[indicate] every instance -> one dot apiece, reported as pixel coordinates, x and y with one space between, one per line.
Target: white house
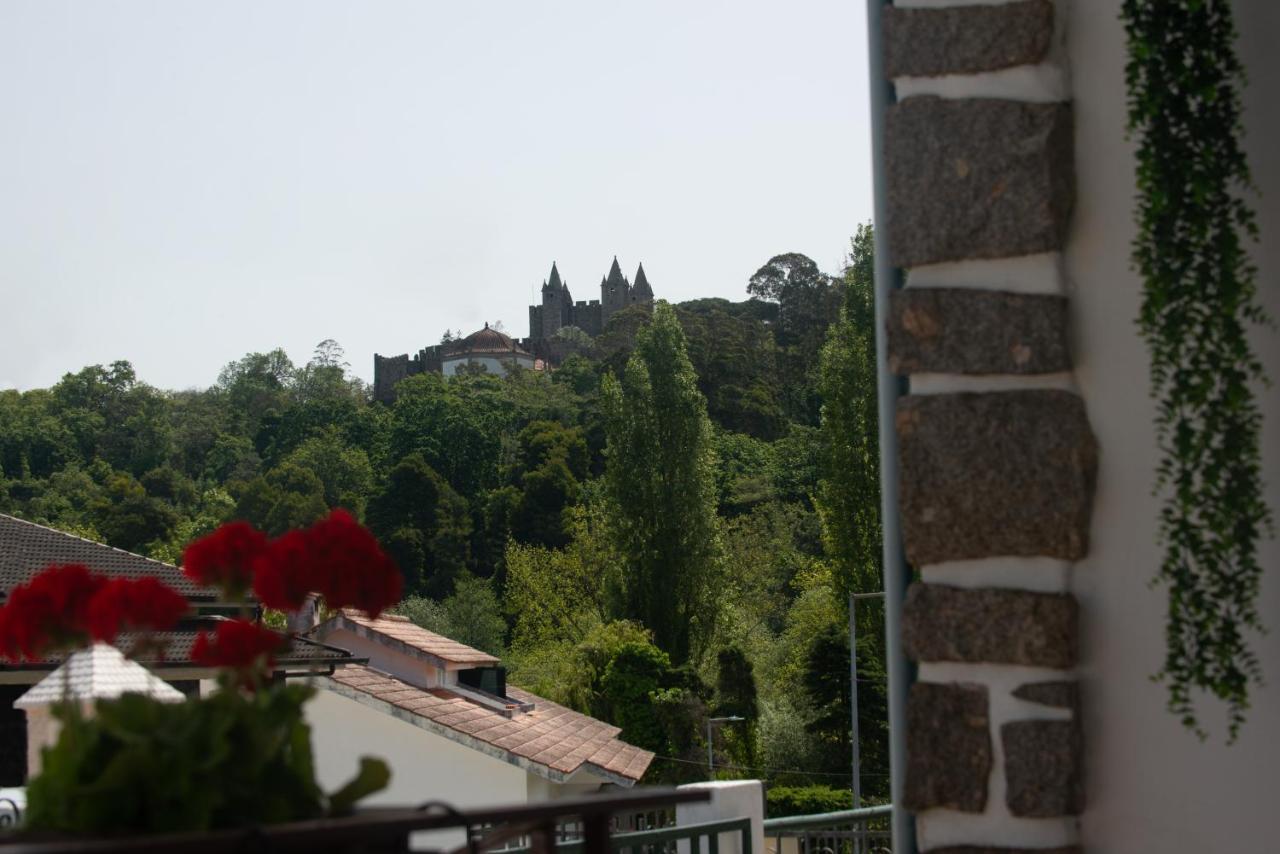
486 348
441 715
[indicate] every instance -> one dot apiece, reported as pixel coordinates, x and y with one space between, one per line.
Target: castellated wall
588 316
389 370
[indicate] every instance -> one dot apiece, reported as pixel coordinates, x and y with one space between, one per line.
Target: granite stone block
965 39
995 474
968 331
977 178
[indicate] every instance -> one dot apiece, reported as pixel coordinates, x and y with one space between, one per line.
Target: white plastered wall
1151 785
401 665
424 766
497 367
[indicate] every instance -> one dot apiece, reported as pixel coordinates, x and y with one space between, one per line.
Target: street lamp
711 757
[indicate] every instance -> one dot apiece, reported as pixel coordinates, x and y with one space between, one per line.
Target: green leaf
373 776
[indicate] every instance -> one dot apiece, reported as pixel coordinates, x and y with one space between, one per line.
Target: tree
805 295
540 516
343 471
807 301
550 461
127 517
634 674
736 359
425 525
849 492
288 497
826 688
556 596
325 377
736 696
475 615
661 483
542 441
457 425
255 385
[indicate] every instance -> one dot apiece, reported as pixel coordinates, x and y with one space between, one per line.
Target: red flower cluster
65 606
144 604
225 558
282 575
237 644
48 612
336 557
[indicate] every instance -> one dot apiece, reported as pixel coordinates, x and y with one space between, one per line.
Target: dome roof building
485 350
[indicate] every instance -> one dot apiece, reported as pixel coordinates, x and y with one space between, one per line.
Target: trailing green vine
1199 298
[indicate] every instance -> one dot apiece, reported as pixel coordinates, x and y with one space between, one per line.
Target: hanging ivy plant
1199 299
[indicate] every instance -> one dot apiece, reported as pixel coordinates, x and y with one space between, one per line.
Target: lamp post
711 756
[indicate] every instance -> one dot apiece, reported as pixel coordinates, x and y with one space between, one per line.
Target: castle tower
640 291
557 304
615 291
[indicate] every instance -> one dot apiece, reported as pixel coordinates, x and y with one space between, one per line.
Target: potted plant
240 756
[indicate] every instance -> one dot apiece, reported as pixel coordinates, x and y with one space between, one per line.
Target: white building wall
424 766
402 666
1151 785
497 367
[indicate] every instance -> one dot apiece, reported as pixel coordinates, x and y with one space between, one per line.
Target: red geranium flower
145 604
282 574
225 558
348 566
48 613
237 644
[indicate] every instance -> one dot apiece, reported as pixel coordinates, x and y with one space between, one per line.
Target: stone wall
997 459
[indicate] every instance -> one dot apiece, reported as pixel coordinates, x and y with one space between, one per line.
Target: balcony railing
384 830
860 831
666 840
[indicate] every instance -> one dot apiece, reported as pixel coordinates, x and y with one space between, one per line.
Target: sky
182 183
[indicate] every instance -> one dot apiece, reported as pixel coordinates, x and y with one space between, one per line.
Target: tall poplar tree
849 491
660 481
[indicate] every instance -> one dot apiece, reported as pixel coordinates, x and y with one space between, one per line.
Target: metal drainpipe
896 572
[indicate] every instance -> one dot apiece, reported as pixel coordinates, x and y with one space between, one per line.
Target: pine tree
660 479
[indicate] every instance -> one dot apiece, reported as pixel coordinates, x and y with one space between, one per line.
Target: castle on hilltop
559 310
491 351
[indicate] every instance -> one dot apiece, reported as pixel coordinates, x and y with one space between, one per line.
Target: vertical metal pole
853 699
711 757
896 572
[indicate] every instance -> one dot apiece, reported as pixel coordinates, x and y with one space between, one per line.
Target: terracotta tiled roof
410 638
483 341
550 739
27 548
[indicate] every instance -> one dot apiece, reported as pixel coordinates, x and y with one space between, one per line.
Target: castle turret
640 291
554 282
615 293
557 305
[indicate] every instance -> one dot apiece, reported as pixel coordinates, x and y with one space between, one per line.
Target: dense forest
663 529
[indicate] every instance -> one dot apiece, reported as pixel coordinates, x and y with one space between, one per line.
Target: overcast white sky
182 183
